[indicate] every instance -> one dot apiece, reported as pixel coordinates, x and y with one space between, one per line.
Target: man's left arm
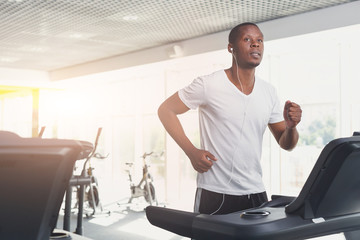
285 132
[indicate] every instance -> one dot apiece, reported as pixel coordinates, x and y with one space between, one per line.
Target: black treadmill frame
327 204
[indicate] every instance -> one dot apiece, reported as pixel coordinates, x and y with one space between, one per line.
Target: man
234 109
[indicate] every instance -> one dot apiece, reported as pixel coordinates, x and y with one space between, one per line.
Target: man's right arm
168 112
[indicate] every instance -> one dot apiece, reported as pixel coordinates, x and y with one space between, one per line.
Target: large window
317 71
16 112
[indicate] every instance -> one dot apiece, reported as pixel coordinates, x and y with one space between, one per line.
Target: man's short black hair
235 32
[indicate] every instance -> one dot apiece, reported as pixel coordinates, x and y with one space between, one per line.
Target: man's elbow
289 140
165 113
289 145
288 148
161 111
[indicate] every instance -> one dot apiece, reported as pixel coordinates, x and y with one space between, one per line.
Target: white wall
23 77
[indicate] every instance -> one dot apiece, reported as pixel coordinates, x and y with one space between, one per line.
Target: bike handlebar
99 156
151 153
93 154
41 132
147 154
97 140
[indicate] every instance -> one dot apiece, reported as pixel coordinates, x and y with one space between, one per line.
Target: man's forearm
289 138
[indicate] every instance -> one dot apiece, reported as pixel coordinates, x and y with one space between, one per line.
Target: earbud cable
237 72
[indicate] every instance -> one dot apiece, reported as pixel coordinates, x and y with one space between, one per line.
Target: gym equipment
328 203
87 191
145 188
34 174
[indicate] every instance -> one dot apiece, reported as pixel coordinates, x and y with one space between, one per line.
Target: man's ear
230 48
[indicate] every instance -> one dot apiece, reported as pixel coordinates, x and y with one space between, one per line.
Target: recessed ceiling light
8 59
130 18
76 35
34 49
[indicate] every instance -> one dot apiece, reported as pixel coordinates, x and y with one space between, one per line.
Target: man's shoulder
214 75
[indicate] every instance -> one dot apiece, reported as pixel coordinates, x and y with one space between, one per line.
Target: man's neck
243 79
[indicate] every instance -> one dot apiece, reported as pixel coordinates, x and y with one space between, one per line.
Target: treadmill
328 203
34 174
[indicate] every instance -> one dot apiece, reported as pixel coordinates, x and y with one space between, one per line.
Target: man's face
249 47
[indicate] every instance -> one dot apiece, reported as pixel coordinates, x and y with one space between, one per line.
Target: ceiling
53 34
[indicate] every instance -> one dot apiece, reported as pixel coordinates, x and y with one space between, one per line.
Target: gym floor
125 222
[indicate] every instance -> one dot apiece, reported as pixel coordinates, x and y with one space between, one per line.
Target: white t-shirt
232 125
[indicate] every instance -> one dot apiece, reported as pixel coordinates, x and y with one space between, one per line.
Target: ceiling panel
53 34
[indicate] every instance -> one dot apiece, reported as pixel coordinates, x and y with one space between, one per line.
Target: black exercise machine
328 203
81 181
34 174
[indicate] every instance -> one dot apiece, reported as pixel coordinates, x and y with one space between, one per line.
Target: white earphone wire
242 125
222 203
237 70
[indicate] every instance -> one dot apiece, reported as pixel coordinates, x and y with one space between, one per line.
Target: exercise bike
145 187
91 193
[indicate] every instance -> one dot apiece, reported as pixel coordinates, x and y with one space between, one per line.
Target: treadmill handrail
301 205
